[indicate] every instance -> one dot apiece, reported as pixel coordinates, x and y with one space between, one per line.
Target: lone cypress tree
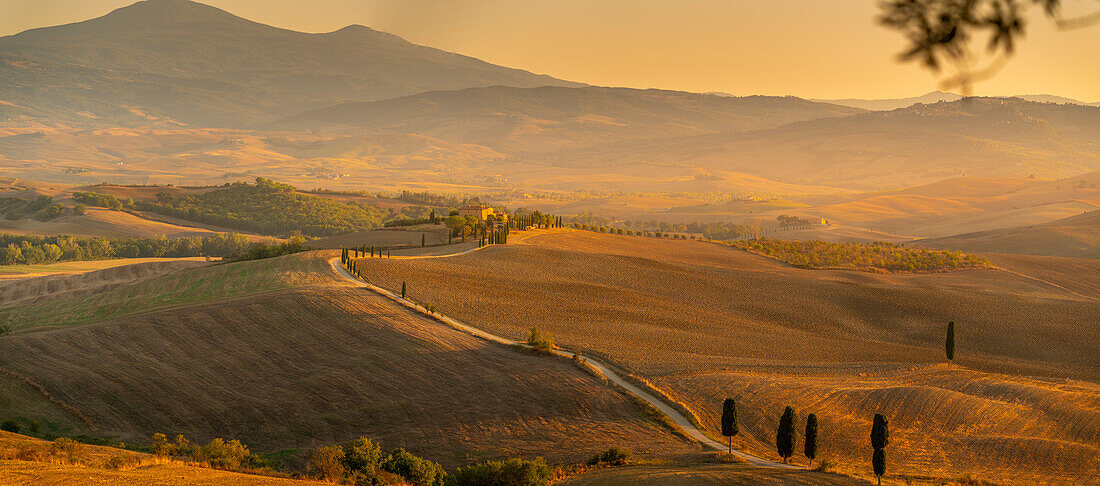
950 344
880 437
403 289
810 449
729 420
423 239
785 438
878 462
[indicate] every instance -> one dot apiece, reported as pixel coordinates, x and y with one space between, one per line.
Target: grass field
175 288
841 344
75 267
320 364
705 471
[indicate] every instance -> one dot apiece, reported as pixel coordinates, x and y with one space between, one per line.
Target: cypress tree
878 462
786 436
880 437
950 343
729 420
880 432
403 289
423 239
810 449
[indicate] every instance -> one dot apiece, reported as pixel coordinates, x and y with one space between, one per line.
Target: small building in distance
478 211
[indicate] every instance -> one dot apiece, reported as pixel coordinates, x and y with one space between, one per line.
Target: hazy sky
808 48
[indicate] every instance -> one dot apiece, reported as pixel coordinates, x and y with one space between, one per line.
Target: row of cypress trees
363 250
497 236
786 434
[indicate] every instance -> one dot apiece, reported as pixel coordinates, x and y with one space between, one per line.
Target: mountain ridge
182 61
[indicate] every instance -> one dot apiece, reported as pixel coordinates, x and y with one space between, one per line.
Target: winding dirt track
679 419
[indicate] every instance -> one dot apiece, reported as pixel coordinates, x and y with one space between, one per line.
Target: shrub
362 455
123 461
9 425
615 456
80 209
417 471
66 450
227 455
327 463
540 341
511 472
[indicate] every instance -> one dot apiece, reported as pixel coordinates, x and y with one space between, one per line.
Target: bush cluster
268 207
218 453
613 456
886 256
540 340
511 472
362 462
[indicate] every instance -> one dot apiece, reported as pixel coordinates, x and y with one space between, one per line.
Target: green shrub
540 340
417 471
362 455
9 425
510 472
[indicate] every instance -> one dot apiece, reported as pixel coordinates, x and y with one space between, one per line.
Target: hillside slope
548 118
1076 236
177 60
984 137
706 322
319 364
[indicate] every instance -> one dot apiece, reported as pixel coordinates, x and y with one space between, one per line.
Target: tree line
34 250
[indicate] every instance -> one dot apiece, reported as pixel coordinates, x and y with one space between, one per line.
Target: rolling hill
985 137
705 322
177 61
545 119
303 362
937 97
1075 236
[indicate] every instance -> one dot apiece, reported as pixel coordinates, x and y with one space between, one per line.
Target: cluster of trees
540 340
787 221
522 219
218 453
41 208
786 435
31 250
347 254
496 236
268 207
103 200
888 256
361 461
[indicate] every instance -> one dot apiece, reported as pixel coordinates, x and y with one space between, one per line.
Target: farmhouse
478 211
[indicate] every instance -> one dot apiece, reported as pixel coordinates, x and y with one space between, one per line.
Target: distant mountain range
551 118
177 60
936 97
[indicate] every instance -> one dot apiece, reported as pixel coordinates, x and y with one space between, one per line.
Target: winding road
678 418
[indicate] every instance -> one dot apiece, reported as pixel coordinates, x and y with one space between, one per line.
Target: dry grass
700 319
24 460
11 272
320 365
706 470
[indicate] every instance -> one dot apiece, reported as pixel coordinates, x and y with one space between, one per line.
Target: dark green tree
878 462
404 288
786 436
880 432
950 343
880 437
729 420
423 239
810 448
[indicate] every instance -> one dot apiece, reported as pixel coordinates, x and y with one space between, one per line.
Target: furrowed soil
317 364
705 322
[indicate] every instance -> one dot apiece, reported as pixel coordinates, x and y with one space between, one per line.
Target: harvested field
115 273
296 369
707 474
703 321
392 238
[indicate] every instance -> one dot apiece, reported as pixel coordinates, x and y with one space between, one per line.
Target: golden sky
807 48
